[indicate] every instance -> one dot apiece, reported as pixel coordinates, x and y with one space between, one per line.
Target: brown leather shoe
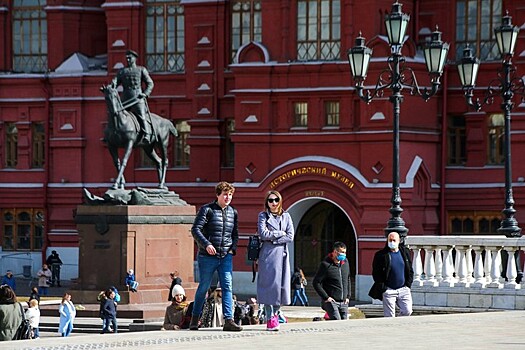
194 323
230 326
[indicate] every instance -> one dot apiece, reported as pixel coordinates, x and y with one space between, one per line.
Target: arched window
29 36
475 23
164 36
22 229
246 22
318 30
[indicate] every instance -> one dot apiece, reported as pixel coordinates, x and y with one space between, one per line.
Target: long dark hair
7 295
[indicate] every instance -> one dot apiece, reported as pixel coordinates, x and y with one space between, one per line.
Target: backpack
24 331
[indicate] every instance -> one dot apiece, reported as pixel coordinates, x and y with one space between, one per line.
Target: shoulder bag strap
22 310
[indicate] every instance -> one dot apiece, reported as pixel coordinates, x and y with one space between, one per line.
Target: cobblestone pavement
491 330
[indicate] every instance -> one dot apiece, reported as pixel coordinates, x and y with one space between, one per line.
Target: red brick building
262 96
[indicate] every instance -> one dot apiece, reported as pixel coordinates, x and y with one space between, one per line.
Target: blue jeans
110 320
207 266
297 295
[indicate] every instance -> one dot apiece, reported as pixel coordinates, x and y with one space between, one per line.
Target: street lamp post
506 85
396 78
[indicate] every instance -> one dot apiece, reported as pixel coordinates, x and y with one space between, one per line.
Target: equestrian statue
131 124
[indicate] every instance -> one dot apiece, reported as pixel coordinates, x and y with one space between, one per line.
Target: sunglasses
273 200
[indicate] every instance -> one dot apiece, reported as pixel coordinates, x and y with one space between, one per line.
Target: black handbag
254 247
24 331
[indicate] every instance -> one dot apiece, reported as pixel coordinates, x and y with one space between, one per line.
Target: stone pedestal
153 240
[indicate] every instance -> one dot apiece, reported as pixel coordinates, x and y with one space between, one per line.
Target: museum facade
262 96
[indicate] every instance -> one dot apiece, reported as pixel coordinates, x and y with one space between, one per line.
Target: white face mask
392 245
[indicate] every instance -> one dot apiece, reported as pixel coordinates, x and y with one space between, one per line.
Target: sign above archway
310 170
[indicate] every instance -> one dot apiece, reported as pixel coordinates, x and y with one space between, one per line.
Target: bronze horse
123 131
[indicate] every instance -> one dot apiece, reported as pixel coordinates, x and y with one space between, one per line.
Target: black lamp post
396 78
506 85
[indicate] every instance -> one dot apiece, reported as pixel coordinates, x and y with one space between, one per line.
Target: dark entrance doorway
321 225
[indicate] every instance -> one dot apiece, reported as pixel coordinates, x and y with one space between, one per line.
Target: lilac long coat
273 279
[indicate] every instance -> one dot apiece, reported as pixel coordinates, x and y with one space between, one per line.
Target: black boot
194 323
230 326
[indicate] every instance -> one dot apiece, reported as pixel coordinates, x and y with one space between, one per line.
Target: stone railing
467 271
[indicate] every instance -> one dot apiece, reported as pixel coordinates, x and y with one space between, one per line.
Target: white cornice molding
73 8
122 4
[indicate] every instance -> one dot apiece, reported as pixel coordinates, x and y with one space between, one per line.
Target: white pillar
430 267
512 273
470 265
495 269
417 266
439 264
448 268
479 278
487 265
462 267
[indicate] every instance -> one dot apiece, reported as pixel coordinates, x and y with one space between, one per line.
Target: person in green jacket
10 313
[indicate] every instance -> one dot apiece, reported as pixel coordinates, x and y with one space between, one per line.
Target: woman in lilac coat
275 227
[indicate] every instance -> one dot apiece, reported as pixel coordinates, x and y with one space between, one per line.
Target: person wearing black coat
34 295
332 283
393 276
216 233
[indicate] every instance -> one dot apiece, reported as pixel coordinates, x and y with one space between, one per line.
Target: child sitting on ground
176 316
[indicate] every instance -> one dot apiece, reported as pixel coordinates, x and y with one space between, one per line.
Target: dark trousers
336 310
55 274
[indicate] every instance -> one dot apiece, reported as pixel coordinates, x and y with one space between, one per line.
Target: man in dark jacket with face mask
393 275
332 283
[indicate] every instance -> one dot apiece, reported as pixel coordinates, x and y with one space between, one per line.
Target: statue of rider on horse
131 79
130 122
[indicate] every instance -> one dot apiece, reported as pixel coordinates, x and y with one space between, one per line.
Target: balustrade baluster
487 268
461 272
430 267
448 268
495 269
439 264
512 273
470 265
417 266
479 278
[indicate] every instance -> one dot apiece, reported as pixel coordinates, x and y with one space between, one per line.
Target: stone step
81 325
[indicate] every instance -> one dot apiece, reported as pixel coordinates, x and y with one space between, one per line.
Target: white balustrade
465 261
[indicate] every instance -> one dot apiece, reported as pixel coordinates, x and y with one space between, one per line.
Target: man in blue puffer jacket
216 233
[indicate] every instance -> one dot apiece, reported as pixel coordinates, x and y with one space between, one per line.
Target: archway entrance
321 224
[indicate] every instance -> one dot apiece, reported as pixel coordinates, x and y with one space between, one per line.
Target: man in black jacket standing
54 262
393 275
332 283
216 233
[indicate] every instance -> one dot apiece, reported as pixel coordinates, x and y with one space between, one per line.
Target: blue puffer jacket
217 227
